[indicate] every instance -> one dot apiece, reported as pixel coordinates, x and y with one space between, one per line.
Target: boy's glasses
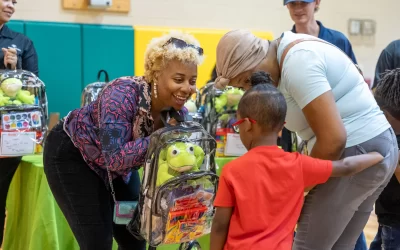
236 124
180 44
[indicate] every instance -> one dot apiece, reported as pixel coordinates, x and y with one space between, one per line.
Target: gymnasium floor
370 229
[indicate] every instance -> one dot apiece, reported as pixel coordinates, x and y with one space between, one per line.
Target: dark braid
387 93
263 103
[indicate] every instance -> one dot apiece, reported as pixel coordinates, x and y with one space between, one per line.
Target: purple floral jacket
114 130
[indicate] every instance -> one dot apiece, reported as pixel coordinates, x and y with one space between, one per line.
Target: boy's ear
248 126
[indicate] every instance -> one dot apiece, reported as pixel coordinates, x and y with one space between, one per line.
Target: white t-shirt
312 68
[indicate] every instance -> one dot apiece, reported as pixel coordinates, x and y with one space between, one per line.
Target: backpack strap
290 45
179 116
106 79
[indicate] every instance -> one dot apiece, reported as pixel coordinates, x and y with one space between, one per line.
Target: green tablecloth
34 220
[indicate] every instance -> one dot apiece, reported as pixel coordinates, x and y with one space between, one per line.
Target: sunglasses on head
236 124
180 44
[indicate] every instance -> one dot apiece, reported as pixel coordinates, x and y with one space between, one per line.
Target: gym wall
91 46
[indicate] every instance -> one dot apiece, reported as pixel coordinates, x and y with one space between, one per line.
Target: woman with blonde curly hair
108 139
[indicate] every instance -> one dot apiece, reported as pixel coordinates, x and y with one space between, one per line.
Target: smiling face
7 10
176 83
302 12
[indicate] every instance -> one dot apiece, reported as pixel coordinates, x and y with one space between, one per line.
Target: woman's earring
155 89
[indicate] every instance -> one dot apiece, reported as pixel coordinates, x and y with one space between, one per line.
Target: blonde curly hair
157 55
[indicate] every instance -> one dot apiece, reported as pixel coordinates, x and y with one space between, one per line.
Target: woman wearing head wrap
333 112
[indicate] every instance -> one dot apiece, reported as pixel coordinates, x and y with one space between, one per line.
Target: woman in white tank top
332 109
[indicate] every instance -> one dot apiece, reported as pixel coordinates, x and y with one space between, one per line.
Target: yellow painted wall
208 39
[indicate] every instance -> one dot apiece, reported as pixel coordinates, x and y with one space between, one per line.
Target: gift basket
23 110
92 90
178 187
218 109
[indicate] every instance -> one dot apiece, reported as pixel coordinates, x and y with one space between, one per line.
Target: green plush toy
11 86
25 97
12 94
229 100
177 158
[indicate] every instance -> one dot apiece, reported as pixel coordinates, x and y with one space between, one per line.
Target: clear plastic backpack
92 90
178 187
218 107
23 111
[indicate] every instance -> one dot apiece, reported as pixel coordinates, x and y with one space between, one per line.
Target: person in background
18 53
262 213
389 59
303 16
109 138
387 207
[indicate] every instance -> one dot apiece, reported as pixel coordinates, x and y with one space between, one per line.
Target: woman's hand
10 58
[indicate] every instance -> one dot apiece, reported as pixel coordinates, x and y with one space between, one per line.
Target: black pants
8 166
286 140
83 196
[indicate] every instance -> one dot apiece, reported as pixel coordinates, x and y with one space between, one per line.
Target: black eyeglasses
180 44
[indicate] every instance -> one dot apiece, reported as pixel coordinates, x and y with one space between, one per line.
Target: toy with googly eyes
177 158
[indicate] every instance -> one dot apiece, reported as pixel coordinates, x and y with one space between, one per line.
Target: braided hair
387 93
264 103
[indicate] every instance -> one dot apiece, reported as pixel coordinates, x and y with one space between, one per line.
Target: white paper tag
234 146
17 143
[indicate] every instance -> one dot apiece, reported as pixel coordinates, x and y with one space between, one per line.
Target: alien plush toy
229 100
11 93
177 158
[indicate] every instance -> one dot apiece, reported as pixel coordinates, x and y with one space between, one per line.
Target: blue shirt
336 38
26 53
388 60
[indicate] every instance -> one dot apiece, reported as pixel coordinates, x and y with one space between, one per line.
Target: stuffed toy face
228 100
182 156
11 86
233 97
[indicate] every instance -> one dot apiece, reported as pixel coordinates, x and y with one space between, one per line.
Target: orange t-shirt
265 188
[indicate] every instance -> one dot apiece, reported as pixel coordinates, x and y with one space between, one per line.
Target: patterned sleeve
118 108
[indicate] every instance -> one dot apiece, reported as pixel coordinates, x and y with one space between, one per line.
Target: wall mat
208 39
107 47
60 66
18 26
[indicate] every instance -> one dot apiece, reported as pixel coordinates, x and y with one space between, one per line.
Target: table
34 220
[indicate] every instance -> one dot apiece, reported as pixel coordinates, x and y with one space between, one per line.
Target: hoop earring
155 90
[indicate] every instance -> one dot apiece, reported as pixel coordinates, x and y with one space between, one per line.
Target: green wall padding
107 47
60 65
17 26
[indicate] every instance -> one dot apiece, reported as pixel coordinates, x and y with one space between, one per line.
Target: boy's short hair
387 93
263 103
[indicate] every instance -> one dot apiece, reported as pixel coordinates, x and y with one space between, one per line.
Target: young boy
260 194
387 207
